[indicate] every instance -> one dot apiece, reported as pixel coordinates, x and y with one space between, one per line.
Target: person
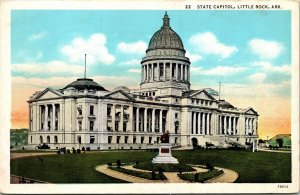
164 138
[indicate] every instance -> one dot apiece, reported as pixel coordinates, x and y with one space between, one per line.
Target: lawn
258 167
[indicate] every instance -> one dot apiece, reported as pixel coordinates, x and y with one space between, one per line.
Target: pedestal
164 155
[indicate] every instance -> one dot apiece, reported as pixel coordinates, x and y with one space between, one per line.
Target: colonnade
165 71
228 125
49 117
249 126
201 123
139 119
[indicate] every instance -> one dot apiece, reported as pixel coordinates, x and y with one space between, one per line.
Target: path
280 151
229 176
23 155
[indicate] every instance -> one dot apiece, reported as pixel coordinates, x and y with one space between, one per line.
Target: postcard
140 97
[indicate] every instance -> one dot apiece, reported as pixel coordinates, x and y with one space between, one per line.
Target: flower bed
141 174
165 167
201 177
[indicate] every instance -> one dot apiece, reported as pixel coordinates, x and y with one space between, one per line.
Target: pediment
48 94
202 95
119 95
251 111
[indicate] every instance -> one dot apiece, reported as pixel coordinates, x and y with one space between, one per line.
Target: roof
225 104
165 38
85 83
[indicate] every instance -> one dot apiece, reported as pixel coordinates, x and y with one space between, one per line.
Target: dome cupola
85 83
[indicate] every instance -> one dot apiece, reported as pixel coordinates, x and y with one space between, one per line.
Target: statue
164 138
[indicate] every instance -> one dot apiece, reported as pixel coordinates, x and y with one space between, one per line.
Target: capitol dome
165 38
85 83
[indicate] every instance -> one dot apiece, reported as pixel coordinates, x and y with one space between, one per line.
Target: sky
249 52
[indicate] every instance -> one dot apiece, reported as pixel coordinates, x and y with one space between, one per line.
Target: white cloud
257 77
131 62
135 70
219 70
138 47
53 67
38 36
207 43
269 67
94 47
193 57
264 48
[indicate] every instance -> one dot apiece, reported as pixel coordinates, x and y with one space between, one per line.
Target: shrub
58 151
160 170
68 151
141 174
209 166
78 151
180 170
161 176
153 175
118 163
196 177
109 164
74 151
88 148
83 148
137 162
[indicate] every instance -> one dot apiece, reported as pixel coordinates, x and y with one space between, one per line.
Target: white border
5 96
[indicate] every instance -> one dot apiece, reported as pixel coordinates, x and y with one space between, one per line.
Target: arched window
79 139
48 139
41 139
55 139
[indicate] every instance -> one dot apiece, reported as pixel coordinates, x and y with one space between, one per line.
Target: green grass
258 167
166 167
146 175
204 176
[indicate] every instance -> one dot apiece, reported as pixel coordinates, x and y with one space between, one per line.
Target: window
80 125
79 139
142 140
150 140
55 139
134 140
153 93
92 139
161 71
176 115
126 139
157 140
108 110
41 139
79 109
31 139
109 139
176 100
91 110
176 140
118 139
48 139
91 125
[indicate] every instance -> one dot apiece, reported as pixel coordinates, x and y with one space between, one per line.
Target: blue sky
246 46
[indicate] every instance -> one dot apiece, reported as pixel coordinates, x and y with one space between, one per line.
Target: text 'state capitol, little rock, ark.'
85 114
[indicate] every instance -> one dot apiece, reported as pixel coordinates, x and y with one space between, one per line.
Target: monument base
164 155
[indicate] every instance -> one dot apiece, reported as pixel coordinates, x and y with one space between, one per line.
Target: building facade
85 114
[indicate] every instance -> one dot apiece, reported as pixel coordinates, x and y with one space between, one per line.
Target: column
160 121
152 66
246 124
251 125
234 126
153 120
230 129
208 124
145 120
137 119
46 118
122 118
148 70
113 117
130 118
199 126
176 72
53 114
188 73
194 123
225 125
157 71
171 67
164 72
203 123
220 124
181 72
185 73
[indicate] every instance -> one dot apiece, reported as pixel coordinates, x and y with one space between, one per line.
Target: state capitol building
85 114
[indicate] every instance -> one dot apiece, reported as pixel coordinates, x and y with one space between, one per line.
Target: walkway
23 155
228 176
280 151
